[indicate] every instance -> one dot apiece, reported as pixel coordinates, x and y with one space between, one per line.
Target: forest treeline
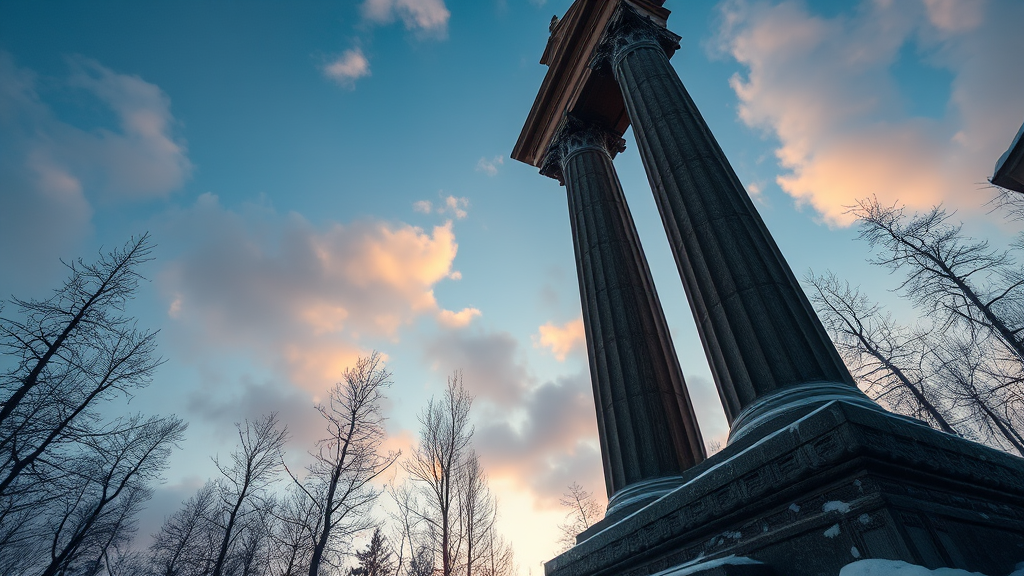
76 470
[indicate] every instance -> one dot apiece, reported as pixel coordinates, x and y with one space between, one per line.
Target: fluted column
646 423
767 349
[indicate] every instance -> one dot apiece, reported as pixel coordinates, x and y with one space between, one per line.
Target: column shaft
646 422
759 331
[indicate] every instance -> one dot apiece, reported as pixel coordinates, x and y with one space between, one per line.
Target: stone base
841 484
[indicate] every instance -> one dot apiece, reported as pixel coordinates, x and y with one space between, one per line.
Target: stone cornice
570 85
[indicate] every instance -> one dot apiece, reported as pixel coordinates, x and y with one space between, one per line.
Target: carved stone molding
574 136
627 30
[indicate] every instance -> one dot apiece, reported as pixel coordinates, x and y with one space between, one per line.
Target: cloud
452 206
426 17
491 365
489 167
827 90
298 297
348 68
550 443
459 319
51 171
562 340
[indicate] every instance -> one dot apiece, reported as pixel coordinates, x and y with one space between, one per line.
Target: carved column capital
574 136
629 29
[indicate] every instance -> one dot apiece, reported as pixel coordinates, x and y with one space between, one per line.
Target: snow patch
1018 570
794 508
697 565
832 532
836 506
733 535
864 519
854 552
898 568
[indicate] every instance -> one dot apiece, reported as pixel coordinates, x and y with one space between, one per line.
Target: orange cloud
459 319
562 340
302 298
825 87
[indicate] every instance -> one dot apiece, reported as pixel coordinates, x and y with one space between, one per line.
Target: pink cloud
348 67
824 87
301 298
562 340
429 17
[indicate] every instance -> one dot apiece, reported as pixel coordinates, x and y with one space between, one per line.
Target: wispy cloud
425 17
561 340
51 171
452 206
489 167
349 67
826 88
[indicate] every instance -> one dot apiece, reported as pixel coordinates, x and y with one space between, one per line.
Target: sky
323 179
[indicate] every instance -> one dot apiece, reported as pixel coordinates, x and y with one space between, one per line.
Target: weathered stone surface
842 483
759 331
646 423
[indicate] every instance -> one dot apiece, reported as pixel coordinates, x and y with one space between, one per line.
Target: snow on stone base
898 568
697 565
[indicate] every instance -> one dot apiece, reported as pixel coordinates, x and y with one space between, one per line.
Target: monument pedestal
841 484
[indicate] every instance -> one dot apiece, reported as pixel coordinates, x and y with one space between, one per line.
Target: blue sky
327 178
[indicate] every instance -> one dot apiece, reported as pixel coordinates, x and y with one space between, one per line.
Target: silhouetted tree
292 540
582 510
253 465
961 368
184 546
338 482
437 465
111 484
886 358
377 559
951 277
69 352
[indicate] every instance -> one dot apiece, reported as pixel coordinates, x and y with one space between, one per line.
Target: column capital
629 29
574 136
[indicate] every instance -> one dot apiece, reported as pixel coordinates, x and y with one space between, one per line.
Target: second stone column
647 427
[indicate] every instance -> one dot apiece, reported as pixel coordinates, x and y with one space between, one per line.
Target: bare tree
184 544
582 511
112 477
885 358
422 562
69 351
479 511
437 465
953 278
338 482
961 367
294 533
498 557
253 465
405 522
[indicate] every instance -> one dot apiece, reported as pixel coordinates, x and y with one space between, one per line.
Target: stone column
768 352
647 427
